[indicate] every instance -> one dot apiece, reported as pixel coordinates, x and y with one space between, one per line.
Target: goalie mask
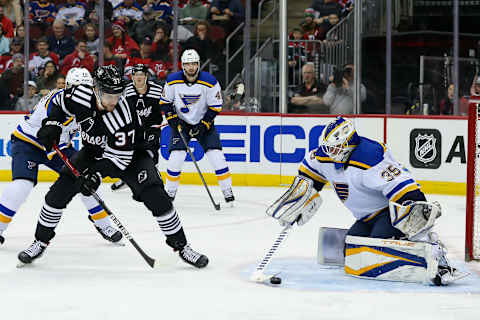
339 139
109 86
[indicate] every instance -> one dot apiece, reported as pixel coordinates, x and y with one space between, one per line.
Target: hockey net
472 238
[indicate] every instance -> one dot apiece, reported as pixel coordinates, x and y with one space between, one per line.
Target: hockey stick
216 205
258 275
151 262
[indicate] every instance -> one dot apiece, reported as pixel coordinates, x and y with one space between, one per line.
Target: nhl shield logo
425 148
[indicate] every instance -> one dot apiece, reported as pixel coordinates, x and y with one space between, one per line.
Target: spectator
26 103
46 81
6 59
308 97
161 44
201 43
4 42
475 88
227 13
60 43
324 25
91 37
109 58
121 42
296 54
13 10
42 13
446 104
41 56
339 95
162 11
72 13
144 27
60 84
6 23
129 11
11 82
80 58
158 68
94 6
324 8
193 12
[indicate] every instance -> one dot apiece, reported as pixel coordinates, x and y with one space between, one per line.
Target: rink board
266 149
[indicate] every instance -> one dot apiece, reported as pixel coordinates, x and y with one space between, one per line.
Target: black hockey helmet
108 79
140 67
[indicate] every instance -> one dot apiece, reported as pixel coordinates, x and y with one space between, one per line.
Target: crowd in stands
64 34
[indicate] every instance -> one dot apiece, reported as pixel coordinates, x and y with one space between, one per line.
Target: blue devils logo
189 100
342 191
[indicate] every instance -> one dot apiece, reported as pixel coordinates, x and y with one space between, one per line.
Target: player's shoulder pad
321 156
367 154
206 79
174 78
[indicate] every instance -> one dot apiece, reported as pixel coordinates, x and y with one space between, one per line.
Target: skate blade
230 204
119 244
21 265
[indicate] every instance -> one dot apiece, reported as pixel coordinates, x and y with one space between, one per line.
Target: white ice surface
83 277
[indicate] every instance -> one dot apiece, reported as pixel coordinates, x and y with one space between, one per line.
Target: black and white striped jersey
146 105
108 135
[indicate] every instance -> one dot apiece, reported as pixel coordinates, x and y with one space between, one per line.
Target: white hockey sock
174 169
219 164
169 223
13 196
96 212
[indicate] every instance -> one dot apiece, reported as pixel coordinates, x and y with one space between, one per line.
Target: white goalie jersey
28 128
192 101
366 182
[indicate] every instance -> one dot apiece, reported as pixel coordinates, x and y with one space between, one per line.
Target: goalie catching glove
414 219
298 204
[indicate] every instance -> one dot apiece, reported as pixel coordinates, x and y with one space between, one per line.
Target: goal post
472 225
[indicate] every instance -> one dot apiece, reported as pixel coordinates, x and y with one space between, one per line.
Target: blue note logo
342 191
188 101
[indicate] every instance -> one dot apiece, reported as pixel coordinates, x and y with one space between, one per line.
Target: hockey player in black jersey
108 130
144 95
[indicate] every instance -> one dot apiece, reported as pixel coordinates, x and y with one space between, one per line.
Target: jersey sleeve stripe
62 103
216 108
81 101
312 174
359 165
82 95
401 189
204 83
126 114
112 121
175 82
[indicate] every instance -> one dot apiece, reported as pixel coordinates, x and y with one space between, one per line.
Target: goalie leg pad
393 260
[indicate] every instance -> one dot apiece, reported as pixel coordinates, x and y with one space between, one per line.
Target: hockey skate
109 233
446 273
32 253
192 257
120 184
229 198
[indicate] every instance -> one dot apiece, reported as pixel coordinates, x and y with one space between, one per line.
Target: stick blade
217 206
259 276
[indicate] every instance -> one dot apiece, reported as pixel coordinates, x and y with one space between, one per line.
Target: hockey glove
89 182
199 129
49 133
173 120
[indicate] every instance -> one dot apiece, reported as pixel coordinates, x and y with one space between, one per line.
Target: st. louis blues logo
342 191
189 100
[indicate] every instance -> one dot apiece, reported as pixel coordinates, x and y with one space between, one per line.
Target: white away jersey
192 100
28 128
371 179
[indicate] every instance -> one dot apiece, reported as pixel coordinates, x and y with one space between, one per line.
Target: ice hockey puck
275 280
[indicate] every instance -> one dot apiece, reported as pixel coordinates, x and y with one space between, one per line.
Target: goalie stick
151 262
258 275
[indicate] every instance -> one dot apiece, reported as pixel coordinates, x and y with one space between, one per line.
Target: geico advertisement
433 149
251 144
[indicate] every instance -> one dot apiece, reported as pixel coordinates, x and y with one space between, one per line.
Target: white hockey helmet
78 76
190 56
339 139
